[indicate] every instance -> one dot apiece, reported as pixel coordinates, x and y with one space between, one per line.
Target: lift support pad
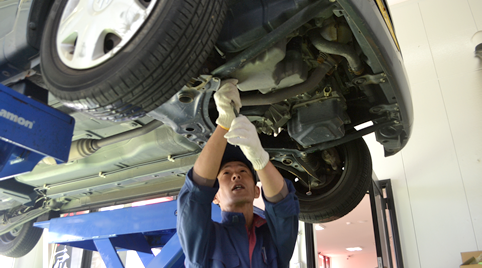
30 131
135 228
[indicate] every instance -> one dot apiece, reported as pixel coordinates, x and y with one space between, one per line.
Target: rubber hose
335 48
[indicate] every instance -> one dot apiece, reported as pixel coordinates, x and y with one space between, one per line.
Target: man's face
236 186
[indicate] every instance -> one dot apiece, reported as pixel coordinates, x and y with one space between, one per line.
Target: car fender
365 19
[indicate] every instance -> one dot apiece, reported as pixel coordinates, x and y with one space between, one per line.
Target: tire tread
23 243
342 205
157 74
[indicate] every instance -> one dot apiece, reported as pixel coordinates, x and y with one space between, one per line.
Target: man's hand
243 133
227 94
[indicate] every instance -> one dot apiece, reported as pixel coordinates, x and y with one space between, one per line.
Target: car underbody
309 73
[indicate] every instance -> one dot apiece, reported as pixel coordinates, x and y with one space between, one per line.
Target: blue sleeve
194 224
282 220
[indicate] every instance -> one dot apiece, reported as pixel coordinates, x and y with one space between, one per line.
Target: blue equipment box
30 131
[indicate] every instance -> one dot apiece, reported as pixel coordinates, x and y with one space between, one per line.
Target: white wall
437 177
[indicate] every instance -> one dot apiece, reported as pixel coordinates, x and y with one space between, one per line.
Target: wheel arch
339 196
38 14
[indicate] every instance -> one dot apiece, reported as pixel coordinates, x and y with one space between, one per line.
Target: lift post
135 228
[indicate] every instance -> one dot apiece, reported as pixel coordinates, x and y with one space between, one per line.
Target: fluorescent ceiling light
354 249
319 227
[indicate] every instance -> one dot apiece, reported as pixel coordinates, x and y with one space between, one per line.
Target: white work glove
243 133
223 97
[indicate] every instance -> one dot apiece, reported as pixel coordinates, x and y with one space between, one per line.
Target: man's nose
235 176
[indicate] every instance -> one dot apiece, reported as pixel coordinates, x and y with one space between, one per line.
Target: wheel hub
16 231
90 32
100 5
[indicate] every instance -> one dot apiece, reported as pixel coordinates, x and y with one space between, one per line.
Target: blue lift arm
30 131
134 228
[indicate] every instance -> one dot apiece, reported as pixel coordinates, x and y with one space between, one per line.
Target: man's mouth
237 187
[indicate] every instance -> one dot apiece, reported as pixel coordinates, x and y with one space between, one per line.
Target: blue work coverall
210 244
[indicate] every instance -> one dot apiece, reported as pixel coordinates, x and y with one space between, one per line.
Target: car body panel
7 8
17 56
382 47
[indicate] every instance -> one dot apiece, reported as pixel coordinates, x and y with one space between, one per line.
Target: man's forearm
208 163
274 186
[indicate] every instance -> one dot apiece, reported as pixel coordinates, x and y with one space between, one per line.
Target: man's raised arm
243 133
208 163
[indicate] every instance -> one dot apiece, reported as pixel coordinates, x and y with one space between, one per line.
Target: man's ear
257 191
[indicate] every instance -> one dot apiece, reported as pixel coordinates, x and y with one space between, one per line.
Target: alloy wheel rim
10 236
91 32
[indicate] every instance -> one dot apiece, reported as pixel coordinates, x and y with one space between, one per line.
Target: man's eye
243 170
226 173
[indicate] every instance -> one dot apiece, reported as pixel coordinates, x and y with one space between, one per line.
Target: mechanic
225 174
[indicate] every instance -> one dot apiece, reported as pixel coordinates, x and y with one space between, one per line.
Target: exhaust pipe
86 147
335 48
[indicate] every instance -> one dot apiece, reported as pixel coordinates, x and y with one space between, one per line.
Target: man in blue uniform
226 175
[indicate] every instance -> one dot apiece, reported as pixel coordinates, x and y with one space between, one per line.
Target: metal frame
153 226
134 228
310 246
187 112
381 202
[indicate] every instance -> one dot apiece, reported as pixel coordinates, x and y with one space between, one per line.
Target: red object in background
325 262
74 213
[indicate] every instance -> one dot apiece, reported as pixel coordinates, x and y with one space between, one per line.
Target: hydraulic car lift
30 131
135 228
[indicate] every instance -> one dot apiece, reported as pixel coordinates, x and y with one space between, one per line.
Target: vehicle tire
20 241
340 195
122 74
